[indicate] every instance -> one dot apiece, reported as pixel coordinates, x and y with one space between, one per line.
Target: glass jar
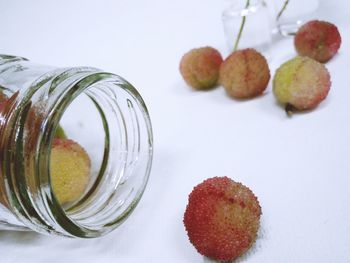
101 111
290 15
247 25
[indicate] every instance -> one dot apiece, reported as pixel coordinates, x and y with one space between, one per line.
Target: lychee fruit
3 99
244 74
69 170
301 83
222 218
318 40
200 67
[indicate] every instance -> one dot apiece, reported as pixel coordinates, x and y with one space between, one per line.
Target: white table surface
298 167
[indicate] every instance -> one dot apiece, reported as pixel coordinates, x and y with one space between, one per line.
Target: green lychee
301 83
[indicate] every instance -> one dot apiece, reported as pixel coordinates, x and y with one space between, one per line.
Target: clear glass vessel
290 15
102 112
247 25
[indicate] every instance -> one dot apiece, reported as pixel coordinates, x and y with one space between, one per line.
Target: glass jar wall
241 20
99 110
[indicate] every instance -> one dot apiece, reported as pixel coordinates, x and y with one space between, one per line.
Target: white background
298 167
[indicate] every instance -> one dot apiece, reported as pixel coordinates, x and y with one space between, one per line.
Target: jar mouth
127 155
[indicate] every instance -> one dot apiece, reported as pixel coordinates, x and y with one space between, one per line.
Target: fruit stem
289 109
241 27
282 10
60 134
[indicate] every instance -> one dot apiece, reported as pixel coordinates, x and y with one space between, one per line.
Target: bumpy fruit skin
3 99
244 74
200 67
222 218
301 82
70 170
318 40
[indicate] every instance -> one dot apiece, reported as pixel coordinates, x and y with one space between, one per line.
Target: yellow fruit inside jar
70 170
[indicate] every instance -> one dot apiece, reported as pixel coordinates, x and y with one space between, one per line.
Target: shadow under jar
101 111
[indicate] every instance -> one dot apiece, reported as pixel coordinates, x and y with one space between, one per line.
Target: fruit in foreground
244 74
200 67
70 170
222 218
301 83
318 40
